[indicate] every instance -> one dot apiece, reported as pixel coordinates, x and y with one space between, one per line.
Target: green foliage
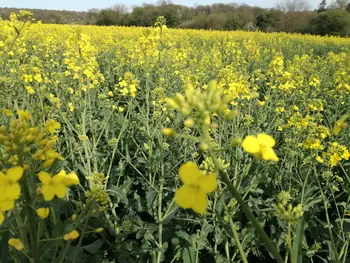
331 22
268 20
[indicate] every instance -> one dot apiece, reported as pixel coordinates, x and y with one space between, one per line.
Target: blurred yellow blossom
260 146
193 194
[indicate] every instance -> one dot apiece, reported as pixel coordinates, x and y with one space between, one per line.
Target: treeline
52 16
290 16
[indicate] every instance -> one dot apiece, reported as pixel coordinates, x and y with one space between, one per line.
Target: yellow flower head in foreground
56 185
42 212
260 146
193 194
9 186
16 243
71 236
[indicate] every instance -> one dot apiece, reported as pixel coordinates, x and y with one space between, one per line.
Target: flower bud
169 132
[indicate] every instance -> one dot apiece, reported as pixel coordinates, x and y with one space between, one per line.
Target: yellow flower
110 93
23 115
9 186
56 185
16 243
260 146
193 194
30 90
340 124
52 125
71 107
7 112
319 159
71 236
42 212
52 186
168 132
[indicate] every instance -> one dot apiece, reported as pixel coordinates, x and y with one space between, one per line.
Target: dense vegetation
123 144
326 20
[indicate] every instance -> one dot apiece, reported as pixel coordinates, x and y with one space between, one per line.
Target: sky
84 5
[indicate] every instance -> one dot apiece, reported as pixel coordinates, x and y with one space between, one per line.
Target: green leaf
298 240
94 247
150 197
188 255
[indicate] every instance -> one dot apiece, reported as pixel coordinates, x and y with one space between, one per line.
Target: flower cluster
289 213
10 189
127 86
21 140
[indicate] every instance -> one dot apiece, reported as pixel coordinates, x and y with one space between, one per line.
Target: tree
338 4
342 3
348 7
268 20
322 6
293 5
331 22
120 8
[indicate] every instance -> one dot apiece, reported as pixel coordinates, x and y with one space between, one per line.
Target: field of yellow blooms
158 145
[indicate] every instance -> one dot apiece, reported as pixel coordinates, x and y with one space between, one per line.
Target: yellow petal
42 212
269 154
2 218
72 235
60 190
15 173
200 203
189 173
208 183
70 179
58 177
44 177
2 190
2 178
13 191
266 140
185 196
6 205
48 192
16 243
251 144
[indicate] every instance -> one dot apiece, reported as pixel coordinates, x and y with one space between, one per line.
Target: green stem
235 235
248 212
20 226
325 203
64 252
238 243
160 221
31 222
290 243
81 236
